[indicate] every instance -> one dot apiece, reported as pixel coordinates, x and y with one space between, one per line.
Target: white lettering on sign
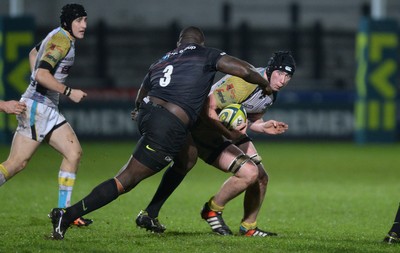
302 122
104 122
315 122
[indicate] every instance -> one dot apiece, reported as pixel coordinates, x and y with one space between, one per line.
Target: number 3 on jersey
164 81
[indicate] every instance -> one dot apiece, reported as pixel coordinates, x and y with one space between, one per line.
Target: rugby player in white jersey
50 63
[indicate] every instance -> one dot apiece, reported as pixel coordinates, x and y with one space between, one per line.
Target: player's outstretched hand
274 127
14 107
77 95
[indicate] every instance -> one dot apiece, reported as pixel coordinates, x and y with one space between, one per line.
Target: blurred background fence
318 103
118 56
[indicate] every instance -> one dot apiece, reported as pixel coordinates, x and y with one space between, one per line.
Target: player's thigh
65 141
22 148
248 148
228 156
233 160
187 157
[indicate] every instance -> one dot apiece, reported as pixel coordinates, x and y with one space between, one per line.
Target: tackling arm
236 67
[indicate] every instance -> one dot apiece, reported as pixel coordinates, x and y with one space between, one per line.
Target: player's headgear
281 60
69 13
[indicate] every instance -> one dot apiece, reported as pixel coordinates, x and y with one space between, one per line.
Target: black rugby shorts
163 136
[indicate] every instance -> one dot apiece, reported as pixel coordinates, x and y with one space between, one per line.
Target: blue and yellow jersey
234 90
57 50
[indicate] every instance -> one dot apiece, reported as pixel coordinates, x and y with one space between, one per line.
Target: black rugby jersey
184 77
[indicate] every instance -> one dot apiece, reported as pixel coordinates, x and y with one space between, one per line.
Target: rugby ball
233 116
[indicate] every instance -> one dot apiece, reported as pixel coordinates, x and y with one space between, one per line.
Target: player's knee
14 166
263 177
184 167
74 156
191 164
249 173
254 175
22 165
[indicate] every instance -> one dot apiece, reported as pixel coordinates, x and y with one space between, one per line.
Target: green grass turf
322 197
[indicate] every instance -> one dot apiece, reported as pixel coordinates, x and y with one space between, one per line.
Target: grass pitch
322 197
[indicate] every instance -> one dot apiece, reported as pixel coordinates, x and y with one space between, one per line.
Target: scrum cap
281 60
69 13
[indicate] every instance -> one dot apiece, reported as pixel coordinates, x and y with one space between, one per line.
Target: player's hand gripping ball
233 116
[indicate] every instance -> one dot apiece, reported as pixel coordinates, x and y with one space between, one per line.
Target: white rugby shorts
38 120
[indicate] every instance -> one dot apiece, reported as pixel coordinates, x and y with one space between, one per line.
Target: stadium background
322 197
124 38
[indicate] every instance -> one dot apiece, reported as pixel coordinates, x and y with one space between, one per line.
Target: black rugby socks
170 181
100 196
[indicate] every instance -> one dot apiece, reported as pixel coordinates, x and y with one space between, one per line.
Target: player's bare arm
210 114
139 97
45 78
32 58
12 107
236 67
268 127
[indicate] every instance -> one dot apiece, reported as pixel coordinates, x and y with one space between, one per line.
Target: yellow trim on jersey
234 90
66 181
56 48
4 171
